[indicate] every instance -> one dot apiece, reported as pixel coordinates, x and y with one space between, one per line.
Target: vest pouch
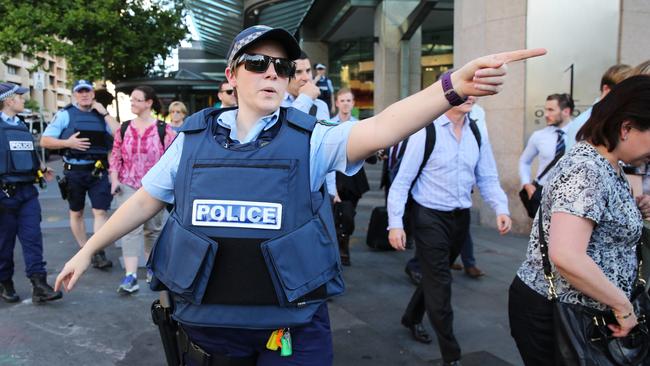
301 263
183 260
21 151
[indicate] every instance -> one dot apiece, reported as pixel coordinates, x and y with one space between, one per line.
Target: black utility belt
73 167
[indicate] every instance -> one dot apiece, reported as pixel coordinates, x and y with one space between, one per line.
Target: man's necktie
560 147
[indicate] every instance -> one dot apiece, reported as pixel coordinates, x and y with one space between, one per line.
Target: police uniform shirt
14 121
330 179
303 103
59 123
327 153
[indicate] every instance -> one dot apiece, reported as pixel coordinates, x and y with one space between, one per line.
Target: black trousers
531 324
439 236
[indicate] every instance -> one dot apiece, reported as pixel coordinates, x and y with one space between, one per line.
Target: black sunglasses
260 63
229 91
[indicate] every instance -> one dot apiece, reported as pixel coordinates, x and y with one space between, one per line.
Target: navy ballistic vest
248 244
325 91
92 126
18 159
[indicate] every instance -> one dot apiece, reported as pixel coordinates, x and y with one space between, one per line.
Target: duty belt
192 352
9 189
73 167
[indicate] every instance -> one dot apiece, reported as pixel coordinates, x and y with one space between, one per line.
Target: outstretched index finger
519 55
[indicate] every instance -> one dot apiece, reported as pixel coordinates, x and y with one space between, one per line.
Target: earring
624 138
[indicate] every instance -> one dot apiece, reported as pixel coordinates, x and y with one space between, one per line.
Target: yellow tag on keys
272 343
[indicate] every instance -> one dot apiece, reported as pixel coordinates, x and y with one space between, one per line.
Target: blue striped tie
560 147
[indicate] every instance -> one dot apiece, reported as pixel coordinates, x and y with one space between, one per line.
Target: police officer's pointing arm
482 76
133 213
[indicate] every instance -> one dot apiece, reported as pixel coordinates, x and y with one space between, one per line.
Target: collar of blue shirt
228 119
11 120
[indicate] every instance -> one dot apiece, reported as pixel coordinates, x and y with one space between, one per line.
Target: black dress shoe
418 332
7 291
100 261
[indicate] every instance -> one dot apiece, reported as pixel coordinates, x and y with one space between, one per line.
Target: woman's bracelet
623 317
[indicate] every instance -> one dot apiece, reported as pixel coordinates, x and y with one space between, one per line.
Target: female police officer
20 211
249 251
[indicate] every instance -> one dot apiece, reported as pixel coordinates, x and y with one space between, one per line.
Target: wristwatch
450 94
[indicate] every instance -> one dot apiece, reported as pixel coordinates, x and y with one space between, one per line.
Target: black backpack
160 125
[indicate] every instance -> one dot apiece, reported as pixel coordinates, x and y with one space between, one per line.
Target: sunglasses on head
260 63
229 91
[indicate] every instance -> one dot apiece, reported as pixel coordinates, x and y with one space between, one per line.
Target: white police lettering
242 214
21 145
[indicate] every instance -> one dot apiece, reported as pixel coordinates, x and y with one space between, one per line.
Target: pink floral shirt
136 154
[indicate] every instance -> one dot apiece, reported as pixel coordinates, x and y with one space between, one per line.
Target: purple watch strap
452 97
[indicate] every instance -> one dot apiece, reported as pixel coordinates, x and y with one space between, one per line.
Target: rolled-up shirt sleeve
159 180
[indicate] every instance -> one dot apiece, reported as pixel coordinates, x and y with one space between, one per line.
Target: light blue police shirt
55 128
10 120
327 153
303 103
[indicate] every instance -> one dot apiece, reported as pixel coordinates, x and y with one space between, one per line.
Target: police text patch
241 214
21 145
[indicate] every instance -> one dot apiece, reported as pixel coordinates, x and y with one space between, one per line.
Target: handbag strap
549 167
546 263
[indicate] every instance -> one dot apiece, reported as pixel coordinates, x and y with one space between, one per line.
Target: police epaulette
327 123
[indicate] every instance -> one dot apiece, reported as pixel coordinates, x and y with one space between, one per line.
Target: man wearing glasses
227 95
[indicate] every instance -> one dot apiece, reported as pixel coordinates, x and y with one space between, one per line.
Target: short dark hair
564 100
150 94
614 75
303 55
629 100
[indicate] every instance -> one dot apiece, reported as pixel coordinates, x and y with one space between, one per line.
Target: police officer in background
20 211
248 252
326 88
84 130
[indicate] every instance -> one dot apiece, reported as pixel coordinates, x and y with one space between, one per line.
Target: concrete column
318 52
483 27
389 49
634 32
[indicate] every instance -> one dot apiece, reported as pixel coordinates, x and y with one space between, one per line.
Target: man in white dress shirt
546 143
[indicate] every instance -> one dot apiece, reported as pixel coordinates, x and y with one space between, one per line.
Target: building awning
219 21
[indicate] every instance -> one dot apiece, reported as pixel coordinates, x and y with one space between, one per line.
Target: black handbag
582 335
531 204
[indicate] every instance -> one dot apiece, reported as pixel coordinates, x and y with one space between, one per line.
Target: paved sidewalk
93 325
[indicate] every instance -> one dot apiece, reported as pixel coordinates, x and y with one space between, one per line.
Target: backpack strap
429 144
160 126
123 127
477 133
162 130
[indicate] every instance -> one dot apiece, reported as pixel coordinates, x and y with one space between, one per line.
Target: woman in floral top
591 222
133 155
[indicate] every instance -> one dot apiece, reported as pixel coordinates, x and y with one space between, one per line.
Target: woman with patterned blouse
135 151
592 224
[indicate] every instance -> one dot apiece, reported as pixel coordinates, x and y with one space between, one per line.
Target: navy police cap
82 84
9 89
262 32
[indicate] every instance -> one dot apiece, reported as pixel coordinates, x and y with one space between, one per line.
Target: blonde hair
344 91
178 105
641 69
